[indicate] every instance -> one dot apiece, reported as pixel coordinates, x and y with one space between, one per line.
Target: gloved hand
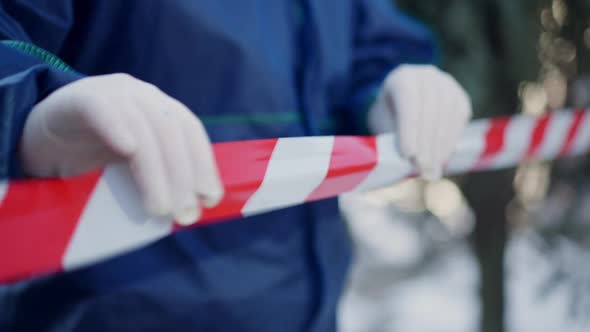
116 118
428 110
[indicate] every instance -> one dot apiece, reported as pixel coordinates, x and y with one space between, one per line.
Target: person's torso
249 69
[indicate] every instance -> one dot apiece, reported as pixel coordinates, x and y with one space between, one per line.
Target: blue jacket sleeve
383 39
28 73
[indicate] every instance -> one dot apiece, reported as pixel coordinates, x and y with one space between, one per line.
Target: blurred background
498 251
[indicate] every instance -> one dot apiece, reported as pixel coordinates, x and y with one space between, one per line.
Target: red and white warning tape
52 225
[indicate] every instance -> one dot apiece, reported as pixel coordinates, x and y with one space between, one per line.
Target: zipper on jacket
41 54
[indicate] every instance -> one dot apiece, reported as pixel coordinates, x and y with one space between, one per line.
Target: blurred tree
490 47
511 56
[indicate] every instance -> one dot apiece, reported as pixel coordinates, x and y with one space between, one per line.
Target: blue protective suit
249 69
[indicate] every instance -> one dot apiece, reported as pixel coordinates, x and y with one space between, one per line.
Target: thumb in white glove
427 109
117 118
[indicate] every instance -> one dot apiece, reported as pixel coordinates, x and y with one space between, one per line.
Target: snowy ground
530 308
399 283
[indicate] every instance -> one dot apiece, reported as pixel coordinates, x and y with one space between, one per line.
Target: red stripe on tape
494 141
37 220
352 159
242 166
578 117
538 135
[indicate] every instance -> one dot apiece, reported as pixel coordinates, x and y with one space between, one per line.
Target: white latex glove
428 110
117 118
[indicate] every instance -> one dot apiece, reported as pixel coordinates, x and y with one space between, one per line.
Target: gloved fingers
166 125
429 124
147 166
110 126
444 140
207 181
423 158
404 100
452 135
449 141
380 118
190 215
430 109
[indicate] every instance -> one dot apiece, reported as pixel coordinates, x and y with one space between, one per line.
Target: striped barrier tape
55 225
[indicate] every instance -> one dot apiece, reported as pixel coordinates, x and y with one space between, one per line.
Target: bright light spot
547 20
443 198
534 98
407 196
531 183
555 85
559 11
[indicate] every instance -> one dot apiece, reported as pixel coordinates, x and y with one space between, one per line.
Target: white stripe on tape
297 167
113 222
390 166
517 139
469 149
3 190
555 135
581 142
